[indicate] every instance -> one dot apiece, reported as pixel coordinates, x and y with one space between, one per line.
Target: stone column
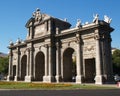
50 77
29 74
49 26
10 70
18 65
99 77
31 64
28 66
110 78
46 27
62 52
79 63
46 64
58 63
105 57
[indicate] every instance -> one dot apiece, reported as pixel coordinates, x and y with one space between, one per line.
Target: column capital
49 45
10 53
97 37
30 49
58 45
78 38
18 52
46 45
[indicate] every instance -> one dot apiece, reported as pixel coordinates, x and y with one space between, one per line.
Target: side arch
39 66
23 66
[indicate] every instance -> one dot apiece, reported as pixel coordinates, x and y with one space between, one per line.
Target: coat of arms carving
37 15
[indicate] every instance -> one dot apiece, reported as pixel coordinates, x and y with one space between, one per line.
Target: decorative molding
89 48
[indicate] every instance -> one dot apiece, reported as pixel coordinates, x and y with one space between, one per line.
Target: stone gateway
55 52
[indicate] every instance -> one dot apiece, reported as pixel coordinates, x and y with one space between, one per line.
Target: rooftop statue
107 19
96 17
11 42
78 24
37 15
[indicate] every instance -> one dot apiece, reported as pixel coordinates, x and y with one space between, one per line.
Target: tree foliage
116 61
4 62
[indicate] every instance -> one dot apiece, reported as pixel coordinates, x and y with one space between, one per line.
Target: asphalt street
105 92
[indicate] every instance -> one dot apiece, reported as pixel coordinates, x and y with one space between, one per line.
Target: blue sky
15 13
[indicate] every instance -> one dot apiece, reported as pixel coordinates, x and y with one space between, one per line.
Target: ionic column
50 77
10 70
46 61
46 64
110 78
31 64
28 61
58 62
17 66
79 63
49 26
104 56
46 26
28 66
99 77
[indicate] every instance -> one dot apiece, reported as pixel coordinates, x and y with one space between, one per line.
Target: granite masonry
55 52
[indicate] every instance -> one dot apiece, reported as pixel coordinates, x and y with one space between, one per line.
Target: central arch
39 66
69 66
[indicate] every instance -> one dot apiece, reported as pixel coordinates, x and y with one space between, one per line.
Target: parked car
117 78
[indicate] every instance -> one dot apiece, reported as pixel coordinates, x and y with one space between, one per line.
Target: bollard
118 84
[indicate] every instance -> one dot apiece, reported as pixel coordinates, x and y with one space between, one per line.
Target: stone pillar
79 63
46 27
10 70
46 64
110 78
29 74
58 63
31 64
50 77
62 52
28 66
18 65
49 26
99 77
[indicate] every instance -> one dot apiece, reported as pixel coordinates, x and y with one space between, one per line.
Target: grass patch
49 86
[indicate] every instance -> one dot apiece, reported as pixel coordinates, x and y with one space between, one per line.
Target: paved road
105 92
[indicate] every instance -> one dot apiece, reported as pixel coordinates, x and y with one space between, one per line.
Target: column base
45 79
28 78
79 79
58 78
9 78
48 79
99 79
16 78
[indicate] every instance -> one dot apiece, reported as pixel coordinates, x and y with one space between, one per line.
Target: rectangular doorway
90 70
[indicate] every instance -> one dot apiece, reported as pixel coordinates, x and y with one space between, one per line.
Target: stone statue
107 19
96 18
11 42
78 24
37 15
18 41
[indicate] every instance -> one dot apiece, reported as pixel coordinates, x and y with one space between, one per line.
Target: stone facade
51 47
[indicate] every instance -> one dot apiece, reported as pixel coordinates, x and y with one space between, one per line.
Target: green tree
4 62
116 61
